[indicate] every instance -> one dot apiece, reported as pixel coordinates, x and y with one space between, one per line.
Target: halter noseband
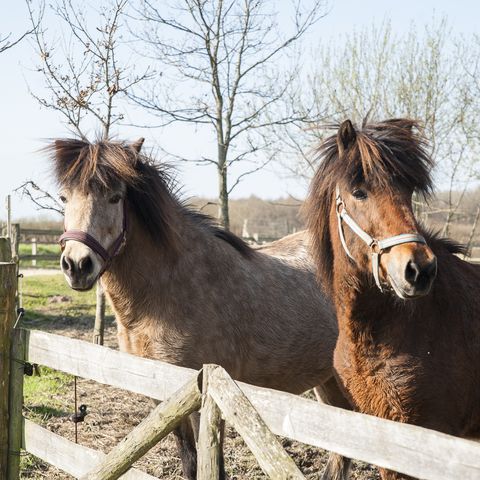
376 246
107 255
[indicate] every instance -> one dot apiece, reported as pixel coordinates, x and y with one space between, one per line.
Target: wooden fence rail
409 449
70 457
38 232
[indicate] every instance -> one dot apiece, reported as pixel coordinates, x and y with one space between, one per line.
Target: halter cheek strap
106 255
376 246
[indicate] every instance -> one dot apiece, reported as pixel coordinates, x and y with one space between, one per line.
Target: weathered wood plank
15 422
152 378
159 423
8 286
209 435
405 448
70 457
238 411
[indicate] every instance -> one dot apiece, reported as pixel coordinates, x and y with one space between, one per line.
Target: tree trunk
223 213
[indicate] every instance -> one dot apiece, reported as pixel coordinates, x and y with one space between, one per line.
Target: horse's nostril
85 265
67 264
420 275
412 272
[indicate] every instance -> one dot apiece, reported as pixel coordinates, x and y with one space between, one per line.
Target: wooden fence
255 412
258 414
35 237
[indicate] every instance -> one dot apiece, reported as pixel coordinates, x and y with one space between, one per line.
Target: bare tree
423 75
87 77
226 68
8 41
86 74
42 199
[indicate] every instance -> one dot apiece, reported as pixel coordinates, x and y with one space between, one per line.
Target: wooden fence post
15 239
99 328
5 250
159 423
238 411
15 423
8 207
8 285
34 251
209 435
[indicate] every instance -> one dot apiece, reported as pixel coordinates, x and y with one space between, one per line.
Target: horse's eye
115 199
359 194
63 198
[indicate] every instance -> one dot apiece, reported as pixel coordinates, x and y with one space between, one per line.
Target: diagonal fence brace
159 423
239 412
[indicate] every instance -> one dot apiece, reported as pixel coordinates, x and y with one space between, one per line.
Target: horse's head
360 205
101 185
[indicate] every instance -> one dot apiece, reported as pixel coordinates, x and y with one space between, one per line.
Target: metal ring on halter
375 247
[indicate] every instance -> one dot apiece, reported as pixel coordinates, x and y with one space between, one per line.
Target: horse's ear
137 146
346 136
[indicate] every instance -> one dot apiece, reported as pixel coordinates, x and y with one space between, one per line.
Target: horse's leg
124 341
338 466
185 439
186 435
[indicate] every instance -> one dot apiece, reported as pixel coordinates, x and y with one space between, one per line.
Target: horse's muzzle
80 274
414 279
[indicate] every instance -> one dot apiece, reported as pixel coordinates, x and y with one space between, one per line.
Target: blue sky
24 126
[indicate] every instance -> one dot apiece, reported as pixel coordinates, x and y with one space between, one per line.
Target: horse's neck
145 273
361 308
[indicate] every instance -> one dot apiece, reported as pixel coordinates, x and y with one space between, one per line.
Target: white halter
376 246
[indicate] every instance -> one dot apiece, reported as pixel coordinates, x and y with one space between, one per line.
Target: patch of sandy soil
114 412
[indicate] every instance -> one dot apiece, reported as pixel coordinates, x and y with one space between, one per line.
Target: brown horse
408 308
186 291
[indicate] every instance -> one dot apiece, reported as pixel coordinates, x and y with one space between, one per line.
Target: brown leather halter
106 255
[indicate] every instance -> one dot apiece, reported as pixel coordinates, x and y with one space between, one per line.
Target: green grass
49 305
41 393
26 249
47 297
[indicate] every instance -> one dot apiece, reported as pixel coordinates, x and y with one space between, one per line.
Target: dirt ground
114 412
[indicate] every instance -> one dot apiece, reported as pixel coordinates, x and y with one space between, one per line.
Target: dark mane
436 241
149 187
392 152
211 224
